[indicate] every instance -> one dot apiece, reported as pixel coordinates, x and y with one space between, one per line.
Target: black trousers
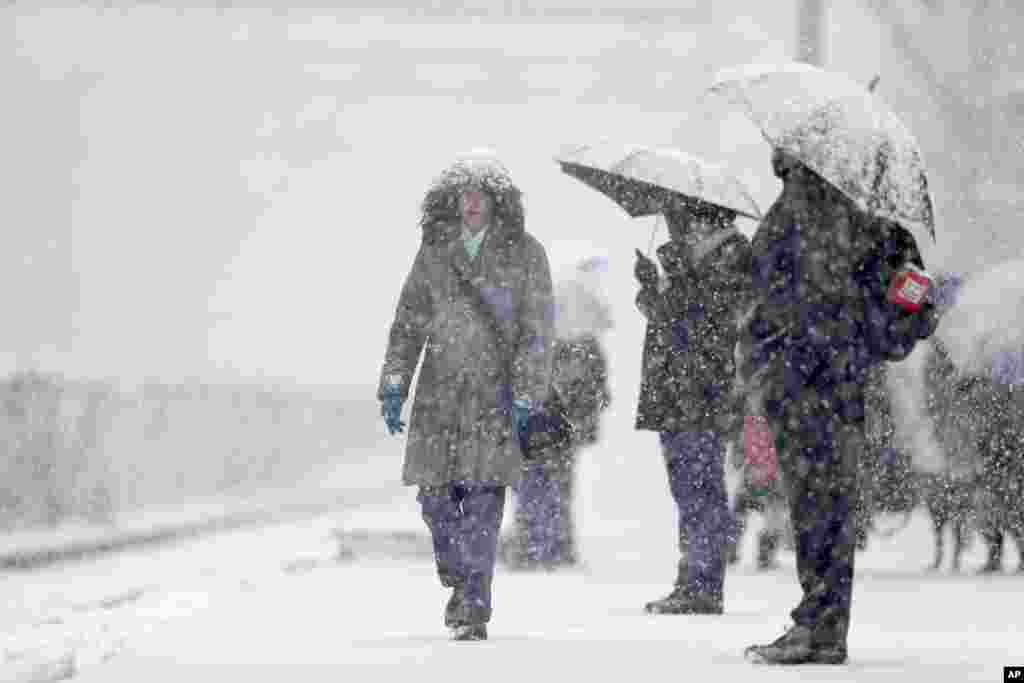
464 521
820 437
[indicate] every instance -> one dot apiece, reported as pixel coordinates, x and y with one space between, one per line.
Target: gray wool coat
460 427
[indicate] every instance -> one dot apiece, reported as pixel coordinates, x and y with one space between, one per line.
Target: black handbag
547 431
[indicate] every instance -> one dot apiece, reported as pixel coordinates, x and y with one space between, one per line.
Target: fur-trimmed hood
439 211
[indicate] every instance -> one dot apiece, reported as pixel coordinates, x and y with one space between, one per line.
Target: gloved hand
645 270
521 409
391 409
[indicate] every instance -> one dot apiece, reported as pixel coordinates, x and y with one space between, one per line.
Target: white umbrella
640 178
839 129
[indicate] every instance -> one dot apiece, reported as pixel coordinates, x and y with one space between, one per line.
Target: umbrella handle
654 233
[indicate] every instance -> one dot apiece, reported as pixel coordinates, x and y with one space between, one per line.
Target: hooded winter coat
688 366
486 325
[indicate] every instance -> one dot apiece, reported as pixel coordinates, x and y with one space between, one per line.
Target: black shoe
797 646
679 602
991 568
470 632
453 610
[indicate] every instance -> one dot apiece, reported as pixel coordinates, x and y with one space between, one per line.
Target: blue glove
391 409
521 410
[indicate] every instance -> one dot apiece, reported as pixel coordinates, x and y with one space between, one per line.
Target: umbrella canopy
984 330
840 130
640 179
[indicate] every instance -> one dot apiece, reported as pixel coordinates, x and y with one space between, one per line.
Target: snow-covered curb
29 550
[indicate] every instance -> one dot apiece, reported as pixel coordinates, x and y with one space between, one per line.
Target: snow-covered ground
311 172
279 603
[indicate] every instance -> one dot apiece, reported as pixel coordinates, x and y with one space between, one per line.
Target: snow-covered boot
797 646
681 602
453 610
470 632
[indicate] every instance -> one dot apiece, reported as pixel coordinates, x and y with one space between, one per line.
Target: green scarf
473 242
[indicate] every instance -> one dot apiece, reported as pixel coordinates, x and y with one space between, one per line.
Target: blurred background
208 214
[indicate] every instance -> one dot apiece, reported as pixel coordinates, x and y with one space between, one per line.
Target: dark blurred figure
1001 450
772 506
949 491
544 534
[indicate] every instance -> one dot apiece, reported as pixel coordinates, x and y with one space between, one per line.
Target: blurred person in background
1001 449
770 502
544 535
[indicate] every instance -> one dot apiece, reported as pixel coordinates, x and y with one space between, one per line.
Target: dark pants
818 454
696 478
464 522
994 540
544 524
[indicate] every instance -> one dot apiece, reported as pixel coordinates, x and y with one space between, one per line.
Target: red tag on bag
908 289
759 451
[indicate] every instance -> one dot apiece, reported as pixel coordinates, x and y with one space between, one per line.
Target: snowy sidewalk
374 619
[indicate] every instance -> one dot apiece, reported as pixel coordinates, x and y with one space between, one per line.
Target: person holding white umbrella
691 312
840 287
686 391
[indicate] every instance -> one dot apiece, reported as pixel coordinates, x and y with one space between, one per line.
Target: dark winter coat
1000 445
882 468
688 363
460 426
881 427
954 403
821 269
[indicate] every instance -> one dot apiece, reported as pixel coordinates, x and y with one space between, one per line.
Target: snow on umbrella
840 130
639 179
984 330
